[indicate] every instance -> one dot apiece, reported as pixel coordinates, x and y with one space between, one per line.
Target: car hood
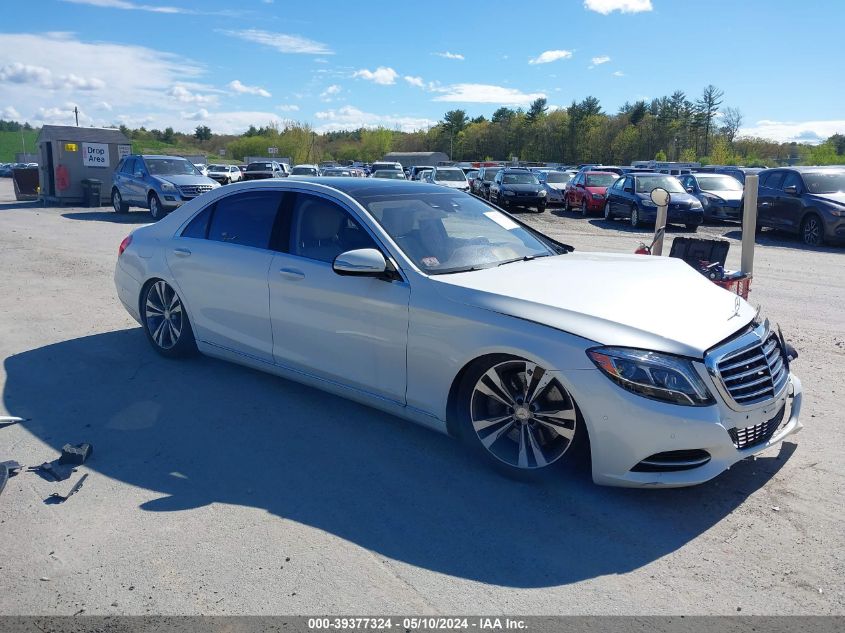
828 197
560 186
728 196
184 179
454 184
656 303
599 190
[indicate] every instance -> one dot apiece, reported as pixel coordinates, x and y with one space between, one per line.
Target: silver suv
158 183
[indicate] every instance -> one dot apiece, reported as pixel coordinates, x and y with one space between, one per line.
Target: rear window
259 167
246 218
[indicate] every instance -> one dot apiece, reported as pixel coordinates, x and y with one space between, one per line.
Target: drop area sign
95 154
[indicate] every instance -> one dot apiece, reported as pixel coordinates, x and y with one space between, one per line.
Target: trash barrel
91 192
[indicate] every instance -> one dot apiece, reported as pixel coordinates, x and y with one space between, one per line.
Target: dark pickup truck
265 169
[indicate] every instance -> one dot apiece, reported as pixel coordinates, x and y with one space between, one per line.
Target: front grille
755 374
758 433
192 191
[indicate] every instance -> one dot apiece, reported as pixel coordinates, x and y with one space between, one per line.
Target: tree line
675 127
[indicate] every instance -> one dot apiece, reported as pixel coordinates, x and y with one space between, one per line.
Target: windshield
218 168
452 232
519 179
170 167
600 180
825 182
490 174
450 175
303 171
389 173
645 184
719 183
259 167
558 176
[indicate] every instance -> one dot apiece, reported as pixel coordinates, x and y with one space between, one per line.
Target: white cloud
799 131
484 93
240 88
288 107
282 42
183 95
381 75
415 81
200 115
10 113
601 59
330 92
550 56
351 118
125 4
103 105
58 67
448 55
618 73
606 7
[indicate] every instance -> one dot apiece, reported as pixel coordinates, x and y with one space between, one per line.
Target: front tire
812 230
608 214
517 417
117 202
635 217
165 321
156 210
541 208
584 211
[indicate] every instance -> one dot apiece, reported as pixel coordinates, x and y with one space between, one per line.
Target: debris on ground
64 466
7 469
57 498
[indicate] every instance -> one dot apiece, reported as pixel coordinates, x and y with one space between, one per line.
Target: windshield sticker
502 220
430 261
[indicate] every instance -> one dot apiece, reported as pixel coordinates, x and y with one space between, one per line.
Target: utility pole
23 145
76 113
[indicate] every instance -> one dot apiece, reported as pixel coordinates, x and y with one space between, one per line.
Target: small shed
413 159
69 155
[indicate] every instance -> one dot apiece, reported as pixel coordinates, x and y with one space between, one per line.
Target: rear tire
608 214
165 321
117 202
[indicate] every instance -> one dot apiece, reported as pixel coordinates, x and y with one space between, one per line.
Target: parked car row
7 168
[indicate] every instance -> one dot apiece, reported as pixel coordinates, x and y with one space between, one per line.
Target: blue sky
343 64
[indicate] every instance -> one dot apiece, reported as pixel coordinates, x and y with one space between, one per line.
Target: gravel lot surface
214 489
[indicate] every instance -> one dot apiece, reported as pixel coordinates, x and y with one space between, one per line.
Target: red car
587 191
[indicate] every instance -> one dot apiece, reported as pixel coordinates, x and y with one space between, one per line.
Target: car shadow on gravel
204 431
781 239
21 204
109 216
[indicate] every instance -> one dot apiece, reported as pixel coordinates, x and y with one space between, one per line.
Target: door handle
181 252
292 273
765 204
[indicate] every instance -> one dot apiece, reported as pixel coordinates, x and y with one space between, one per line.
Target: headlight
839 213
597 196
695 205
507 192
542 194
652 375
167 186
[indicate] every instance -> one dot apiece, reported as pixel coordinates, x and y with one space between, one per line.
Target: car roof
156 156
810 168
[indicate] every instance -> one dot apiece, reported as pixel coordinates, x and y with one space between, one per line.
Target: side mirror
361 262
690 190
792 190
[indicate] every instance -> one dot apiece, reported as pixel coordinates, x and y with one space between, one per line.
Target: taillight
126 242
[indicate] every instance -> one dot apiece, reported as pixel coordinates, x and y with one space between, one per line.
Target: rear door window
246 219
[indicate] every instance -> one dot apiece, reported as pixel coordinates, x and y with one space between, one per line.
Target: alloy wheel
522 415
163 315
584 211
117 202
812 231
635 217
155 207
607 213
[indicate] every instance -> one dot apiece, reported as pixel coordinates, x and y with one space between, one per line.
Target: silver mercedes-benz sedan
436 306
